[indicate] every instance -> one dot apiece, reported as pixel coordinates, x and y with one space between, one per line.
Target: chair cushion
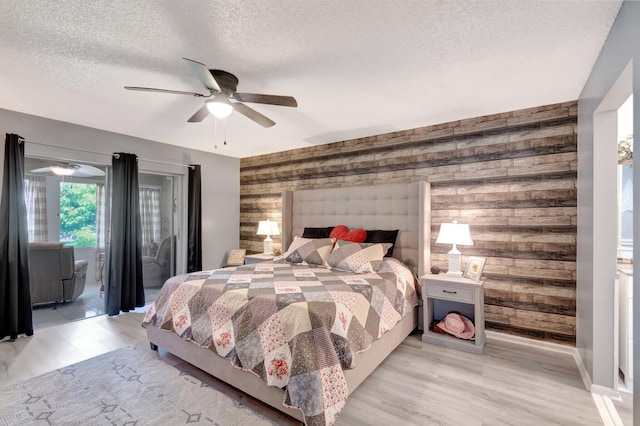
163 256
67 261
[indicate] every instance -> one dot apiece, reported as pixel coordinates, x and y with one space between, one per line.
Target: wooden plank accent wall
511 176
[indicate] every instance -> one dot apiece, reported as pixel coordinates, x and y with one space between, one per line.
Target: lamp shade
219 107
454 233
268 227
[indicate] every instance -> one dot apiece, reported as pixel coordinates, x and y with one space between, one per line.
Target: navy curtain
194 222
124 290
15 293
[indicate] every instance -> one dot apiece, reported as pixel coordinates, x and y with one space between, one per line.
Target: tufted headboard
402 206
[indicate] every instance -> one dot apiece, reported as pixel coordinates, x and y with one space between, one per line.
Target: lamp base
268 245
455 258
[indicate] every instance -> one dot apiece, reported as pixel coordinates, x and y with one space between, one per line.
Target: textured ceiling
357 68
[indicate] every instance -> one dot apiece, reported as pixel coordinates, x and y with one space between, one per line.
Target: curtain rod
115 155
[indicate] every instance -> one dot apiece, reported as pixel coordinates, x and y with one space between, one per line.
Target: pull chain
215 132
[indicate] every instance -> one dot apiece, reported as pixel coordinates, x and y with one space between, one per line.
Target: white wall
220 174
594 280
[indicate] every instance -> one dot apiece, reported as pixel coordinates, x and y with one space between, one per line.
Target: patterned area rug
129 386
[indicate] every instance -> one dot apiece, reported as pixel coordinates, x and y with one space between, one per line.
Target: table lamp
454 233
268 228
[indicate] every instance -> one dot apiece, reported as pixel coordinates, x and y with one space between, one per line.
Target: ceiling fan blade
41 170
174 92
288 101
85 170
253 115
203 74
200 115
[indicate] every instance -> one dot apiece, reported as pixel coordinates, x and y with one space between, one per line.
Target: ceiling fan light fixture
221 86
220 108
62 171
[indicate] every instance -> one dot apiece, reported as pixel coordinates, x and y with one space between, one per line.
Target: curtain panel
15 292
150 217
36 203
194 221
124 289
100 237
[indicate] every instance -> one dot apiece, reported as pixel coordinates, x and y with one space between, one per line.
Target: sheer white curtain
150 218
100 230
36 203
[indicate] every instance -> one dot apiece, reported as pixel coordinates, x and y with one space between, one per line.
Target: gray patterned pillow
361 258
311 250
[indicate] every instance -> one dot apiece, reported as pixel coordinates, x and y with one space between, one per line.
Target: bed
405 207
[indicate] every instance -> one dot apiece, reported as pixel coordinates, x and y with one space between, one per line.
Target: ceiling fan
71 169
222 90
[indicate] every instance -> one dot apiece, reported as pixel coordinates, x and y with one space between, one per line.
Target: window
78 214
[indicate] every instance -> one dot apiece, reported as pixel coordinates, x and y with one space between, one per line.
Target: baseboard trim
547 346
603 390
586 379
601 395
557 348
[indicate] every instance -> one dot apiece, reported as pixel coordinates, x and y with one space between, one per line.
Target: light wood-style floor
89 304
418 383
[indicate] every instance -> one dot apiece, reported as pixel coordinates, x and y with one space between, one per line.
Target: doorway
159 215
63 202
72 207
625 246
605 237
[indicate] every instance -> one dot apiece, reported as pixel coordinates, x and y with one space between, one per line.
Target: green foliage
78 214
625 151
85 237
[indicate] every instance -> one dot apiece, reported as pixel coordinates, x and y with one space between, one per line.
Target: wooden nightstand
257 258
445 293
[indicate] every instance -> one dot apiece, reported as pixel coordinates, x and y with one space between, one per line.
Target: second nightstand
445 293
257 258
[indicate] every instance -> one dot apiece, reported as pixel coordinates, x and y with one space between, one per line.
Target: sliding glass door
70 202
158 214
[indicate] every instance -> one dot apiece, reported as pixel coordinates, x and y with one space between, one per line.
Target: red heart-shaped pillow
341 232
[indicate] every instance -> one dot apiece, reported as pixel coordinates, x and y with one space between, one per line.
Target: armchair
157 269
55 276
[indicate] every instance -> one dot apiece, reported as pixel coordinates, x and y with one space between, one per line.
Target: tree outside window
78 214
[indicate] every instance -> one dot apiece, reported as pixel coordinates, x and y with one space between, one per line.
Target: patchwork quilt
296 326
